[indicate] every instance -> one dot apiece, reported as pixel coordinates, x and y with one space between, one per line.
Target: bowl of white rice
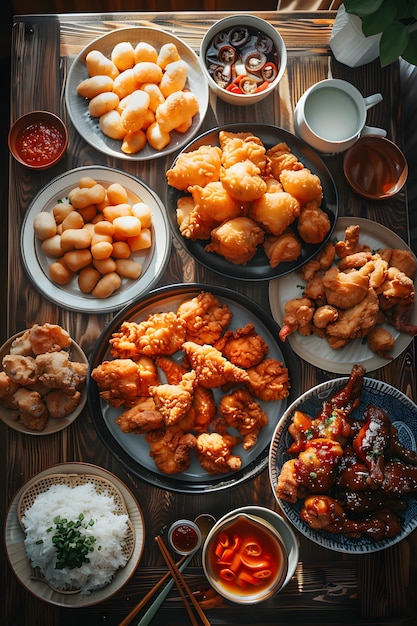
80 534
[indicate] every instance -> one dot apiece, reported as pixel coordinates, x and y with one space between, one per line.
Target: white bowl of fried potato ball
42 380
244 58
137 93
94 238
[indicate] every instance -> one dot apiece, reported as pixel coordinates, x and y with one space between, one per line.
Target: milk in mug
332 114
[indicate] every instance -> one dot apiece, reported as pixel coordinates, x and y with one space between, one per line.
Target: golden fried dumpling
281 158
313 223
243 181
236 240
302 184
237 147
275 210
215 202
190 222
197 167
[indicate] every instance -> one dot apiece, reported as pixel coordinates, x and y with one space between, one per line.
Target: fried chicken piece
380 341
214 451
205 317
315 290
243 181
313 223
324 315
345 290
59 404
350 243
21 369
32 411
48 338
323 260
236 240
281 158
7 388
174 401
242 412
298 315
122 380
397 288
211 368
214 203
190 222
197 167
170 449
403 260
141 417
356 321
268 380
282 249
238 147
303 185
173 371
203 408
159 333
21 344
55 370
275 210
243 347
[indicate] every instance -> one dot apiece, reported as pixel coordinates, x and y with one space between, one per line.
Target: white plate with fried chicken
187 385
349 482
42 380
251 201
361 334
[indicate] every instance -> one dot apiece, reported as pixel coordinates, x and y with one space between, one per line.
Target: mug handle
371 101
372 130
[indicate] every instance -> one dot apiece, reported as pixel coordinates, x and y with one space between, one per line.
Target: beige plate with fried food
53 425
14 535
316 350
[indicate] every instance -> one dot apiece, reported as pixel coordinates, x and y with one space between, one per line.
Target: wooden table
328 587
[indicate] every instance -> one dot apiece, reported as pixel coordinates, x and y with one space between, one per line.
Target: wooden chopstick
126 621
182 585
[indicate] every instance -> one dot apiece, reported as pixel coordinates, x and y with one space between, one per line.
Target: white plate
316 350
403 413
53 425
19 562
153 260
88 127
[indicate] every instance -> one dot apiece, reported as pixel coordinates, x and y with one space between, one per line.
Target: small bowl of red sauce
375 167
38 139
245 559
184 536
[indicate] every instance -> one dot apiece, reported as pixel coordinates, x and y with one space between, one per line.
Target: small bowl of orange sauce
375 167
245 558
38 139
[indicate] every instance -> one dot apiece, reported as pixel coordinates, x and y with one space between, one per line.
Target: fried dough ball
205 317
275 210
211 368
313 223
268 380
236 240
302 184
243 181
243 347
242 412
282 248
197 167
214 451
159 333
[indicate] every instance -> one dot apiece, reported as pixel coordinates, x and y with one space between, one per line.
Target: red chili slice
248 85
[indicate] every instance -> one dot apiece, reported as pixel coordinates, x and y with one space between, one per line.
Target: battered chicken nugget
215 203
243 181
381 342
174 401
404 260
197 167
54 370
48 338
173 371
281 158
313 223
205 317
170 449
237 147
302 184
203 408
141 417
236 240
268 380
59 404
350 243
211 368
7 388
344 290
298 315
243 347
356 321
190 222
214 451
321 261
282 248
275 210
21 344
32 411
159 333
121 381
242 412
21 369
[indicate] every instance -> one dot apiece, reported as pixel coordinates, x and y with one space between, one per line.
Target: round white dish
153 260
88 127
20 564
316 350
377 392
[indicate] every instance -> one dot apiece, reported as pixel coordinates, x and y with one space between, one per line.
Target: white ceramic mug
330 116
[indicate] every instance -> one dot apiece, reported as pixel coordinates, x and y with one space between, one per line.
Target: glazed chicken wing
242 412
211 368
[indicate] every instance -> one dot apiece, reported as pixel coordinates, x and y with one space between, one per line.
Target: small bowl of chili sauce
184 536
38 139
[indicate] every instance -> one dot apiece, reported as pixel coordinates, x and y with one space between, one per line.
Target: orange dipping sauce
39 144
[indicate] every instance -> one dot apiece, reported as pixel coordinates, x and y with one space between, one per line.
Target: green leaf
394 41
380 20
410 52
361 7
